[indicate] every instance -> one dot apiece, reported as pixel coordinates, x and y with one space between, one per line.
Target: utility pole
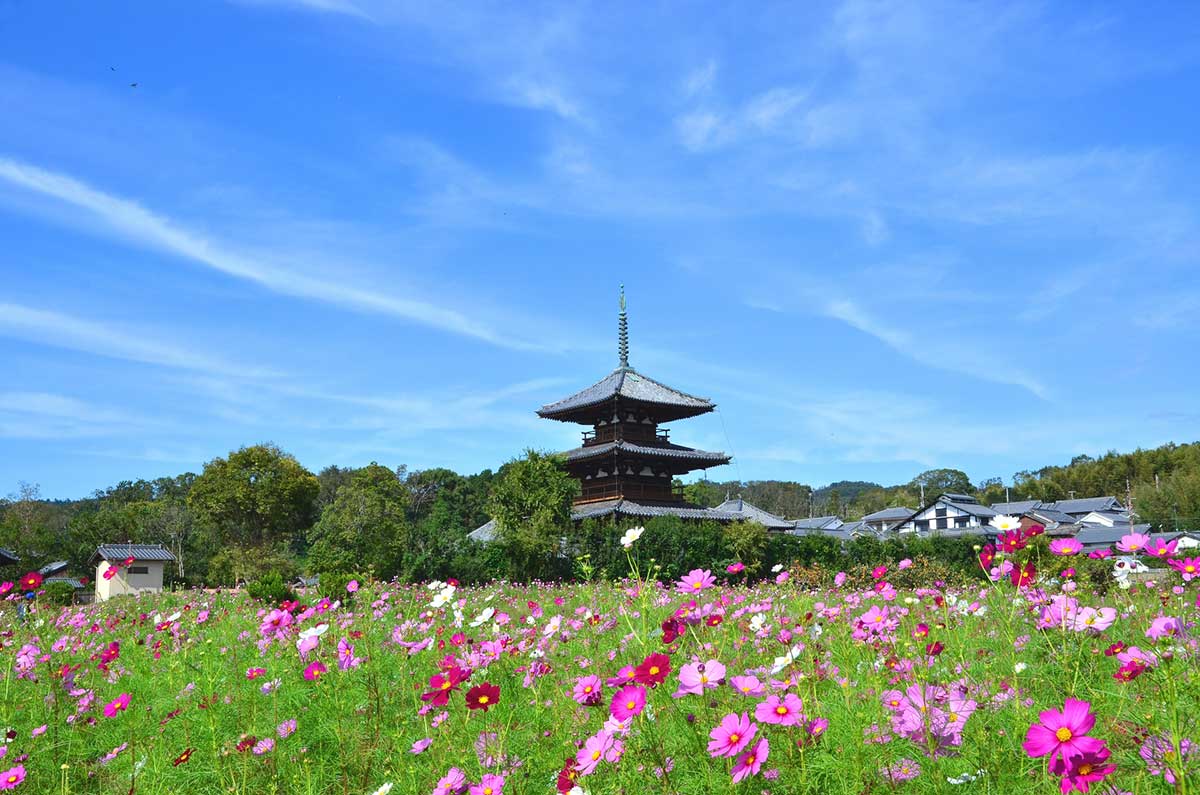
1129 499
922 495
1006 497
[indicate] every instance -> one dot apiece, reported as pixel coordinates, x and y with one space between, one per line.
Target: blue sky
883 237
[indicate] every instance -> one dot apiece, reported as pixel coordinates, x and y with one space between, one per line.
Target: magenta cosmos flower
696 581
786 711
1065 546
750 762
732 735
10 778
628 702
1188 567
1162 549
588 690
313 672
1063 735
119 704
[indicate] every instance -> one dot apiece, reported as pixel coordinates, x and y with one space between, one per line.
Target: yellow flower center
698 584
483 699
487 791
781 710
630 704
733 738
878 619
654 670
587 689
749 759
595 755
703 679
1134 546
1085 768
1063 734
1190 568
445 684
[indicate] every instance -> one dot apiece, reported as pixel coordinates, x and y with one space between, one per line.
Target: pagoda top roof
628 384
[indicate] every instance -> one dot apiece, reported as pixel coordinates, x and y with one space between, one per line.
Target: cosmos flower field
1027 680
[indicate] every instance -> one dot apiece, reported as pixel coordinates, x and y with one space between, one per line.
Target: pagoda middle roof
648 451
625 382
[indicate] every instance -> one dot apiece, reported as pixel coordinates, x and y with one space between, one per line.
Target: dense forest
258 510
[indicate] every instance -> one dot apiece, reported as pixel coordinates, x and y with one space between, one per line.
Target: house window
939 512
139 569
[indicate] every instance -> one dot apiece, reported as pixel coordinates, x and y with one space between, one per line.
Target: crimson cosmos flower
31 581
484 696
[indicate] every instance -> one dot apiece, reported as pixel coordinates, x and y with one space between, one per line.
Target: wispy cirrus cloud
133 222
45 415
47 327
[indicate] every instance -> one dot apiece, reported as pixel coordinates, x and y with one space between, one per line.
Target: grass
184 657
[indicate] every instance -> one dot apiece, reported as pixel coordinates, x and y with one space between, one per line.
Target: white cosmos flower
1004 523
786 660
756 623
778 567
316 631
484 617
384 790
631 535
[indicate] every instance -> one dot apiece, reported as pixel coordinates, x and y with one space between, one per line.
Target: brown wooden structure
626 455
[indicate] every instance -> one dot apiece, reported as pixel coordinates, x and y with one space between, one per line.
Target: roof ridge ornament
623 333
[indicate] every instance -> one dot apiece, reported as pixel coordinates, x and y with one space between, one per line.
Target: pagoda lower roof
634 450
624 507
627 383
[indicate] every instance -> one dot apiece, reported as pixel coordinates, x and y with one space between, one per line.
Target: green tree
531 504
366 526
259 496
747 542
943 481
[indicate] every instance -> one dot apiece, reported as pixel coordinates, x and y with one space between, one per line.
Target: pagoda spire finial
623 332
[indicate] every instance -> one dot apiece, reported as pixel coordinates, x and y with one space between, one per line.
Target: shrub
271 588
58 593
332 584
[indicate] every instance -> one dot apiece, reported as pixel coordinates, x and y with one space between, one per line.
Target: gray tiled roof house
150 552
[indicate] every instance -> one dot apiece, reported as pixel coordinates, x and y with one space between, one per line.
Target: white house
950 515
129 569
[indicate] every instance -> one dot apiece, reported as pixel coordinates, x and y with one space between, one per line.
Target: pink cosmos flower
286 729
314 670
1133 542
420 746
695 678
732 735
1164 627
628 702
352 586
1162 549
904 564
588 690
490 784
750 762
263 746
1065 546
747 685
1063 735
696 581
1091 618
786 711
735 568
594 749
1188 567
454 782
119 704
839 579
12 777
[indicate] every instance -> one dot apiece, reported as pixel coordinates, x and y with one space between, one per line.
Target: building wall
126 582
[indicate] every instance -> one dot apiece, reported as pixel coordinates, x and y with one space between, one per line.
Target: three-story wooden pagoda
626 460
